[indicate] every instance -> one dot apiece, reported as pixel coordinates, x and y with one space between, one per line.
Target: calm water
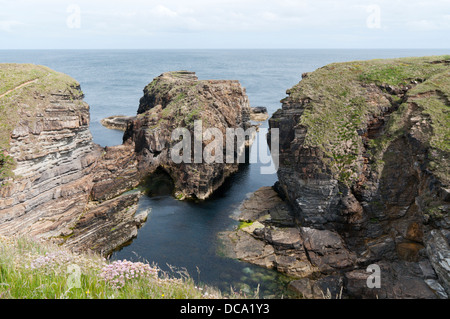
184 234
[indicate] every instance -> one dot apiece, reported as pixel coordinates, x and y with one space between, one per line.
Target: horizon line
135 49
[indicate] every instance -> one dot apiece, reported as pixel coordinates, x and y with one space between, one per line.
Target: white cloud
164 12
423 25
208 20
8 25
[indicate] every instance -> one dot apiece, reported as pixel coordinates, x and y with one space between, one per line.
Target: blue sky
176 24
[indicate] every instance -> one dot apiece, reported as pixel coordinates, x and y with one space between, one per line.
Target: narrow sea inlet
183 235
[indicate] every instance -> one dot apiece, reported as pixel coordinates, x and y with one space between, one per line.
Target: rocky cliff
179 100
56 183
364 150
50 163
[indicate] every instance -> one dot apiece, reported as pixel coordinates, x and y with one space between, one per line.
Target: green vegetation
7 165
244 224
181 99
399 72
340 99
36 270
179 196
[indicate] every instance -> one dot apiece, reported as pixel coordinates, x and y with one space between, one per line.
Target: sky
224 24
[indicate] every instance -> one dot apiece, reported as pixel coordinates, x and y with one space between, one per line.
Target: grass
398 72
31 269
7 165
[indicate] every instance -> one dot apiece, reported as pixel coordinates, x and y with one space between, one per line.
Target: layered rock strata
259 113
319 261
49 191
57 184
364 169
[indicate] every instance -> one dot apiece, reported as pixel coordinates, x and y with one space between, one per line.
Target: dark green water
185 234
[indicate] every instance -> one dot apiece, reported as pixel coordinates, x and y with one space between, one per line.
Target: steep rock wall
48 188
364 152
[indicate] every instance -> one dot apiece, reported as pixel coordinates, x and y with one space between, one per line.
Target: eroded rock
117 122
176 100
71 190
259 113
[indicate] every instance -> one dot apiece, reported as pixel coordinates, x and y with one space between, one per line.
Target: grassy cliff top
21 87
340 100
13 75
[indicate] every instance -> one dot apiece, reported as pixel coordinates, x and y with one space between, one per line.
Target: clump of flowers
49 260
59 260
119 272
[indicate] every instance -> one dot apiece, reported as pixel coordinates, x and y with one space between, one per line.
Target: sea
182 237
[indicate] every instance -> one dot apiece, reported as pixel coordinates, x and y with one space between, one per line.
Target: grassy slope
340 105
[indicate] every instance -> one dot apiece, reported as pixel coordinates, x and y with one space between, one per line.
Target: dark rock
108 225
399 280
305 289
327 250
380 192
438 250
176 100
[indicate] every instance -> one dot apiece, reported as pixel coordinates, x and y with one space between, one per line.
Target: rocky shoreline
120 122
364 172
363 176
318 261
65 188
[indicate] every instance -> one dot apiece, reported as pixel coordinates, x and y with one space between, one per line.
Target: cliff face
56 183
52 146
45 136
364 152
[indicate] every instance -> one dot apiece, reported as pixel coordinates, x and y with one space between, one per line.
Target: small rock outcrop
259 113
179 100
363 183
117 122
